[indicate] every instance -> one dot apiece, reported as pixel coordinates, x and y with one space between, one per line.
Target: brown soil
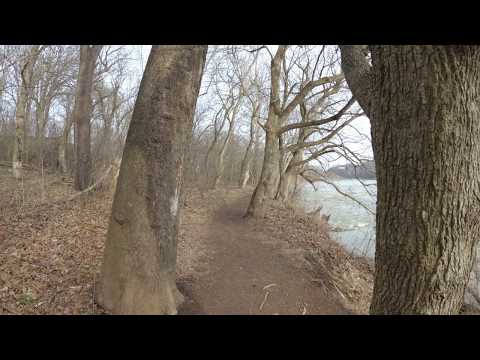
274 265
50 255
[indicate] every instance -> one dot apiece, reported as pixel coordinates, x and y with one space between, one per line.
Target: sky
362 124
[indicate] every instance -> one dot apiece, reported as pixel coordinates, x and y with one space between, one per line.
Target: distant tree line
351 171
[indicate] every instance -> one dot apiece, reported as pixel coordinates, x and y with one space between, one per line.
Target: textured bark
21 109
82 113
425 130
288 180
358 75
270 175
138 271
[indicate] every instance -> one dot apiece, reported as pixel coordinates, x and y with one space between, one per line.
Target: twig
304 310
264 300
347 195
10 310
92 187
336 288
93 296
269 286
72 197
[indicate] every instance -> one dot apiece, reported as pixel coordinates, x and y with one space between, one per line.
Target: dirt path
247 273
50 256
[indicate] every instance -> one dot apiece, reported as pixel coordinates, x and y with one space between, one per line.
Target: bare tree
281 107
82 114
54 77
138 271
24 92
246 164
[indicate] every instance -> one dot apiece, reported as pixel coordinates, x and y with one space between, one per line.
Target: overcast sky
362 124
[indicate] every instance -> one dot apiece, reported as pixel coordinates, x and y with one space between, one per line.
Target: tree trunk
21 109
269 177
425 131
288 180
245 170
138 271
82 113
63 145
220 165
42 113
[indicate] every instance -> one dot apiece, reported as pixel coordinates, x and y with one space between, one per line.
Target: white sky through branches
357 136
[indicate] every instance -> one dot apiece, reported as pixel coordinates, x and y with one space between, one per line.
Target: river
355 225
358 224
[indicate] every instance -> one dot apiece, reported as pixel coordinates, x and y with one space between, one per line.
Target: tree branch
335 117
306 89
334 132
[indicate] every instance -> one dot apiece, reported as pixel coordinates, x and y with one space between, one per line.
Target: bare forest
194 179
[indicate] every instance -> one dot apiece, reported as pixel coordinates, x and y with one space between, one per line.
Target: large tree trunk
82 113
425 131
288 180
21 109
269 177
138 272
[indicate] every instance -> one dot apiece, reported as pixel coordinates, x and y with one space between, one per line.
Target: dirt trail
50 255
246 272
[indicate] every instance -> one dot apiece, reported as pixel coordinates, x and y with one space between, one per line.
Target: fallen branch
72 197
90 188
315 212
264 300
10 310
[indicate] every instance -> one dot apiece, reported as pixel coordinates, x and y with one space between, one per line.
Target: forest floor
285 263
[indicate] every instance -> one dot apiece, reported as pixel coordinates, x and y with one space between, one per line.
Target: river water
355 225
358 224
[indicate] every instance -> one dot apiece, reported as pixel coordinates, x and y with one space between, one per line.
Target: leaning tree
138 271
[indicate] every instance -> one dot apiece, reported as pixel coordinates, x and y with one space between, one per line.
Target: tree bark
21 109
82 113
424 112
138 271
288 180
270 175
